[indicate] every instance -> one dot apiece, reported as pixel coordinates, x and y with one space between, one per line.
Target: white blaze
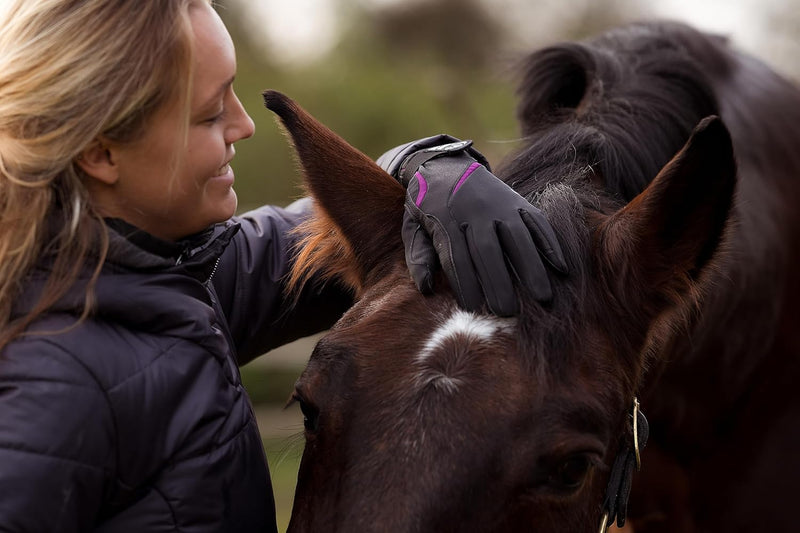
467 326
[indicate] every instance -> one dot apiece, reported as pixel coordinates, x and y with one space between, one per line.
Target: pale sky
747 22
297 31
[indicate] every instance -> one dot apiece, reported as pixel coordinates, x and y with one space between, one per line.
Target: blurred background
382 72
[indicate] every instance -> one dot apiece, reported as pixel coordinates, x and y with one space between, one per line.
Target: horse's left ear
361 205
658 245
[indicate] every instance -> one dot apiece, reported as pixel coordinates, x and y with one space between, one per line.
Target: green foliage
284 462
269 385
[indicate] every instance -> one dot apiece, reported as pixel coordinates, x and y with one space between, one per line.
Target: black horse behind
720 369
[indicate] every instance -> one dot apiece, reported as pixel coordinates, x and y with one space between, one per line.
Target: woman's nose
242 126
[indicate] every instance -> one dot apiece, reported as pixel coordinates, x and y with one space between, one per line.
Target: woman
128 293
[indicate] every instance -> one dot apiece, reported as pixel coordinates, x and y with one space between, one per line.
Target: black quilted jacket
136 420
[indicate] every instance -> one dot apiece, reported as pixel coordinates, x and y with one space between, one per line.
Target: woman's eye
571 473
216 118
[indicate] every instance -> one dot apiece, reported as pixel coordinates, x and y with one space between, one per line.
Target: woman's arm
250 284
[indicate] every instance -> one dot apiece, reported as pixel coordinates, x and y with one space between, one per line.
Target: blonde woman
129 292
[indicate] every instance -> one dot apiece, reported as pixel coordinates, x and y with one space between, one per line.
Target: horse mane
611 112
615 108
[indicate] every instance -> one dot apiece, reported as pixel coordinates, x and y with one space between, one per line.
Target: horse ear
658 245
554 79
361 205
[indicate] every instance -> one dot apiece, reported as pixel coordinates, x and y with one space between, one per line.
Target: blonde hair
71 72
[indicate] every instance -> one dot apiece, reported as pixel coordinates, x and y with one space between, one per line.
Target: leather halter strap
628 459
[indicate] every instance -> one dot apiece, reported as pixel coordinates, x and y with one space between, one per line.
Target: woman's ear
97 162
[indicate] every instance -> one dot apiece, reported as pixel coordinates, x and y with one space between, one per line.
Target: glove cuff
413 161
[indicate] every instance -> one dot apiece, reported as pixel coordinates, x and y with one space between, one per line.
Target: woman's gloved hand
482 231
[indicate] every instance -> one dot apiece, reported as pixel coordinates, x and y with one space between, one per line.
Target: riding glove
482 231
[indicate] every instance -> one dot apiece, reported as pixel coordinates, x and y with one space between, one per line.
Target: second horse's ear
657 247
360 205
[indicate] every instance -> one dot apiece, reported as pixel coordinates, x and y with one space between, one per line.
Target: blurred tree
445 50
459 35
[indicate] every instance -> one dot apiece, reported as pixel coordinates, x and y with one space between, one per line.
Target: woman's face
169 188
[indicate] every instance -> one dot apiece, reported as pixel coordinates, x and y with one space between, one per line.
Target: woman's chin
226 207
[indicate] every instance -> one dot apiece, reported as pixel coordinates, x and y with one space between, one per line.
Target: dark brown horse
682 234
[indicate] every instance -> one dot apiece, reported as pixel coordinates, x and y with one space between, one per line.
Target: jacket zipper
222 325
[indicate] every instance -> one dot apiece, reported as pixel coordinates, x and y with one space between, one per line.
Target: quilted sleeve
56 440
250 284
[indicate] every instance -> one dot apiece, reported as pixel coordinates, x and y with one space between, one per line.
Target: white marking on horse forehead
468 326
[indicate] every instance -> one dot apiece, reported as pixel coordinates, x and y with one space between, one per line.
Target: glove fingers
522 254
451 251
420 253
545 238
458 267
491 269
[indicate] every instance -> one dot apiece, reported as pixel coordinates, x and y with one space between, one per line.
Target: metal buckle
604 523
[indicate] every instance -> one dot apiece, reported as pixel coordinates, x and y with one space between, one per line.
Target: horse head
420 416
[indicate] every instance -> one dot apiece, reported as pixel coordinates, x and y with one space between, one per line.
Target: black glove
482 230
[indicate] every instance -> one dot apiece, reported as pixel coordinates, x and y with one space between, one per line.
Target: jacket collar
133 249
133 253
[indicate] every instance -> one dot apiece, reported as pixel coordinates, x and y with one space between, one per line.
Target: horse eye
310 414
571 473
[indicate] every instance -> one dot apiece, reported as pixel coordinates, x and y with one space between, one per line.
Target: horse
668 164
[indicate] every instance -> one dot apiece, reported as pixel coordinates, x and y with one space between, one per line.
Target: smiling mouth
223 170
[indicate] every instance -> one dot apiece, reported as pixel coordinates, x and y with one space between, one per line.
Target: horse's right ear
360 206
657 247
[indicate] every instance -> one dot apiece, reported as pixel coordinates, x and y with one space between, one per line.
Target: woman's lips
223 171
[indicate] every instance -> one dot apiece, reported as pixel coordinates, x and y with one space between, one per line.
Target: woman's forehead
214 53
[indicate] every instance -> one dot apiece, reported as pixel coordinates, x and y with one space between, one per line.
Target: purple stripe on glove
472 168
423 188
